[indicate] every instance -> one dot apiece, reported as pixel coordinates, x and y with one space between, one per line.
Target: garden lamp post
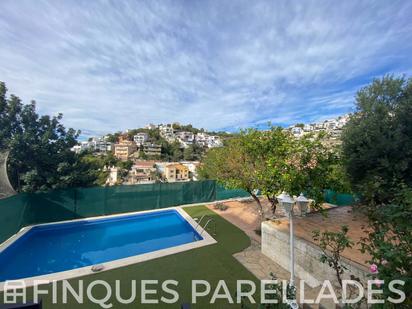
286 202
303 203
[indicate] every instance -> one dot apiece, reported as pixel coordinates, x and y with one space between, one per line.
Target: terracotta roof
176 164
144 164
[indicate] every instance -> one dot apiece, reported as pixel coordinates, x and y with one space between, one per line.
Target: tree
234 166
272 161
272 149
377 152
188 153
377 141
40 156
124 168
171 151
143 155
187 128
113 138
193 152
332 245
96 166
109 159
310 168
294 165
154 135
125 165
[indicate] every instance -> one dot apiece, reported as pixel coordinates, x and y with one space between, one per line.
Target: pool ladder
209 221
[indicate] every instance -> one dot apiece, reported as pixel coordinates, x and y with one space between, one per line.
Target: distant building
102 145
124 150
112 178
136 178
202 139
166 128
319 126
185 138
143 172
192 166
141 138
297 131
333 127
174 172
342 120
151 149
167 132
206 140
214 141
89 145
94 144
124 139
330 124
308 127
76 148
150 126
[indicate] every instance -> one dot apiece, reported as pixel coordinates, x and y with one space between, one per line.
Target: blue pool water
59 247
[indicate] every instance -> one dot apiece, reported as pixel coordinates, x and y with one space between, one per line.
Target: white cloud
112 65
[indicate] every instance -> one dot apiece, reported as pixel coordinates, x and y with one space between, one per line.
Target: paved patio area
245 215
336 217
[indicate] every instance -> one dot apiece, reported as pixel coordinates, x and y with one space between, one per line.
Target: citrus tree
235 166
272 161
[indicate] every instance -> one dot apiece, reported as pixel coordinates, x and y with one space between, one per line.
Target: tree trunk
273 203
338 273
260 208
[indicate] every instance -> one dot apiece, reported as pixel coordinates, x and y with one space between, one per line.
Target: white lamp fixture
287 204
303 203
281 196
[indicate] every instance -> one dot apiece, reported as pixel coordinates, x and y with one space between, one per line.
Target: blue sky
113 65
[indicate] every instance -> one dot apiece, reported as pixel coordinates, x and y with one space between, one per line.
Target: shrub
221 206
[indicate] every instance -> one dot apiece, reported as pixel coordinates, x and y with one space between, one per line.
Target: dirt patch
245 215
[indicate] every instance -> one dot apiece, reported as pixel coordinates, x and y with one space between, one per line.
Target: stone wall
275 245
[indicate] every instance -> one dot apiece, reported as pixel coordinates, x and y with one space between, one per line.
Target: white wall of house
141 138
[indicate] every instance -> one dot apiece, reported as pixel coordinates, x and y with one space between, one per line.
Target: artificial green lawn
211 263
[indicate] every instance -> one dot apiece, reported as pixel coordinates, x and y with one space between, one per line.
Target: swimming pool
114 241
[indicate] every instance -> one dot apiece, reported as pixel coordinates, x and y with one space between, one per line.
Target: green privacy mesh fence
223 194
340 199
27 209
31 208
